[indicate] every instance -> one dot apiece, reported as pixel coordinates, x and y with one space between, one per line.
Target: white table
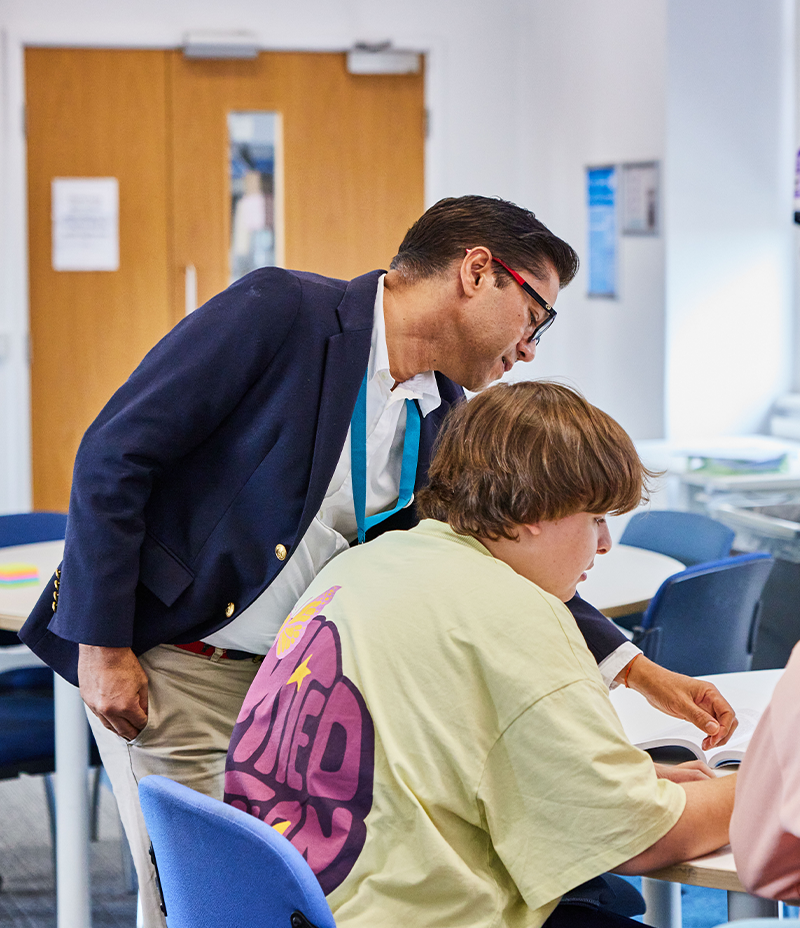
661 888
626 579
72 745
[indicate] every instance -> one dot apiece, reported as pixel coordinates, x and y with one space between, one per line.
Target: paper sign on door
85 216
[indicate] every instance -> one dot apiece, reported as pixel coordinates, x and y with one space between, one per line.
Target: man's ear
476 270
533 528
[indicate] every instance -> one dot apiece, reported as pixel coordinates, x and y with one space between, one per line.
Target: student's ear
476 269
533 528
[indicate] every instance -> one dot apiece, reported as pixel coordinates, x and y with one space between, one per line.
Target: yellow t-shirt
431 730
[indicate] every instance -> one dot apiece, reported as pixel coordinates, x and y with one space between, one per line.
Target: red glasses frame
540 329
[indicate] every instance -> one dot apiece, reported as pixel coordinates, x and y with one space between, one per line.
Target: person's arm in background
683 697
765 829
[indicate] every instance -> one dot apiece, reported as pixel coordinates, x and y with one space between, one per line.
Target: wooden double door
157 121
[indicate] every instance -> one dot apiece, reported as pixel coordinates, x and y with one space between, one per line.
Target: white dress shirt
334 526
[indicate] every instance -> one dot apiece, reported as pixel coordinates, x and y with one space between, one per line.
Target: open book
681 741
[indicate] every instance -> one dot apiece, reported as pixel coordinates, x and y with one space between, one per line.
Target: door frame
15 411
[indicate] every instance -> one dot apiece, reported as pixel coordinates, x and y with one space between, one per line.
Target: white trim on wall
15 438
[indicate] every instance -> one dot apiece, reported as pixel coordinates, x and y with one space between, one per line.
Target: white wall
524 94
594 93
729 233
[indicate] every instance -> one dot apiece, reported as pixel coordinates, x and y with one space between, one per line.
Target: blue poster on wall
601 192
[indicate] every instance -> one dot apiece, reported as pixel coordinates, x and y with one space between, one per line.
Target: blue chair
689 537
24 528
220 867
27 716
30 680
705 618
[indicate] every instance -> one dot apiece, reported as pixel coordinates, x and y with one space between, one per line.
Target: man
217 482
429 728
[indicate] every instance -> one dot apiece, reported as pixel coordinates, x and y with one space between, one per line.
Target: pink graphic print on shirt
302 753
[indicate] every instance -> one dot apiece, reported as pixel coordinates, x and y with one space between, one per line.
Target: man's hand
114 686
684 773
697 701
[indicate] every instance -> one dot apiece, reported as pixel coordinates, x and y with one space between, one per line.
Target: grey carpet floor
27 896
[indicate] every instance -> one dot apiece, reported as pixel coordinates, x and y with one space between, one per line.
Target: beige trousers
193 702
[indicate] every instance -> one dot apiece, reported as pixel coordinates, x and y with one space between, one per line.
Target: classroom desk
626 579
661 888
73 900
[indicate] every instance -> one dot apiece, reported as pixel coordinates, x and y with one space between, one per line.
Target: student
765 829
429 728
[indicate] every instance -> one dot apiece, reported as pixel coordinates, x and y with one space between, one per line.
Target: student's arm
765 829
701 829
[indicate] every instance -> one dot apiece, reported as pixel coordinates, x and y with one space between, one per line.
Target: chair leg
94 804
50 793
128 869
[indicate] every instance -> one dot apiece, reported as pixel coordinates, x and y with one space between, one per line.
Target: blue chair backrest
223 868
689 537
705 618
23 528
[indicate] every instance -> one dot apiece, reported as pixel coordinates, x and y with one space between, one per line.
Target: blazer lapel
346 359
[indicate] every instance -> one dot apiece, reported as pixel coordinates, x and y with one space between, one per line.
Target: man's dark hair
513 234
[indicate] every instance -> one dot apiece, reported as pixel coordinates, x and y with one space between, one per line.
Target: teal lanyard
358 462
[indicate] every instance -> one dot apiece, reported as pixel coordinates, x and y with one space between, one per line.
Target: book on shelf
681 741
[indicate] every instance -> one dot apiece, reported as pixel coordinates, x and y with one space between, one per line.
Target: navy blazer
197 473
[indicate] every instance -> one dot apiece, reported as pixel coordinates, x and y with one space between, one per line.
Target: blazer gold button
230 609
280 552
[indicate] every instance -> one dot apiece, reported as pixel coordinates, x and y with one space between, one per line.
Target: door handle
190 289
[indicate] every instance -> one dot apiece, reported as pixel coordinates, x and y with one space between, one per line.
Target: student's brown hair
529 452
443 233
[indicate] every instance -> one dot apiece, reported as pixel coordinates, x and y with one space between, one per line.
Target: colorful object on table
18 575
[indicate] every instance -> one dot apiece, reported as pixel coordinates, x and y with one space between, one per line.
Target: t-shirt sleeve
566 796
765 828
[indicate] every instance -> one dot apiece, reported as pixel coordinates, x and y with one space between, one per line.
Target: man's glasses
543 326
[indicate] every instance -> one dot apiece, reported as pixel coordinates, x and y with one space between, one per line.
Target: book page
684 734
736 746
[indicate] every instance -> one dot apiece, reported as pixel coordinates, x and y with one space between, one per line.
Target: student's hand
114 686
684 773
697 701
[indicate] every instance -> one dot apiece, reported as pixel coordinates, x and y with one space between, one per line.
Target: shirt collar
420 387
